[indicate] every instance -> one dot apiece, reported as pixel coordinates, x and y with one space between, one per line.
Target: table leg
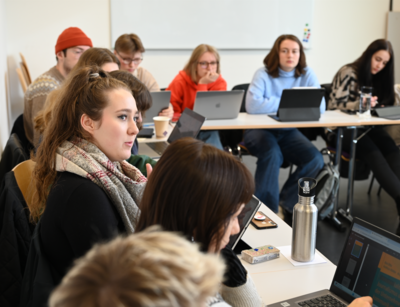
350 186
333 216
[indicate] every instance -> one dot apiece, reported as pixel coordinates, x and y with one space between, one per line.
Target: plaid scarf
122 182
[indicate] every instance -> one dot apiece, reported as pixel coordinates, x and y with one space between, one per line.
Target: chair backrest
21 79
23 176
244 87
25 74
25 64
328 90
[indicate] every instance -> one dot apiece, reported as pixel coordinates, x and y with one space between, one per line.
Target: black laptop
188 125
245 217
299 104
369 266
388 112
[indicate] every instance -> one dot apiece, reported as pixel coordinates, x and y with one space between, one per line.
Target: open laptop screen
369 265
188 125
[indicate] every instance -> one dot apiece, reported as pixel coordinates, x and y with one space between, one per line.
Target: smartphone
262 221
351 112
146 133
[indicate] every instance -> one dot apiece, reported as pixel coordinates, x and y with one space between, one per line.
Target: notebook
160 102
218 104
369 266
188 125
245 217
299 104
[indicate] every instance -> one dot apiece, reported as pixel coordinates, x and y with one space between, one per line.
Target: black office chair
13 154
19 130
230 139
361 169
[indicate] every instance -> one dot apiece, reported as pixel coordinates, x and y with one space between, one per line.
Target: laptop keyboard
322 301
158 147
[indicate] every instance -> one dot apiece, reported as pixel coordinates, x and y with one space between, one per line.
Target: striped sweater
35 98
345 90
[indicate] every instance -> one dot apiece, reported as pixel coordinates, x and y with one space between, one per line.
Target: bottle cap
307 186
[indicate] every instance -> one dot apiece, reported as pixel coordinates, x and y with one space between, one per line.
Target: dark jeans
210 137
271 147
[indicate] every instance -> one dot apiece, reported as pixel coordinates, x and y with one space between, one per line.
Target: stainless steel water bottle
305 216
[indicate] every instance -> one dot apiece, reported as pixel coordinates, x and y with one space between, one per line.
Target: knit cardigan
345 90
147 79
35 98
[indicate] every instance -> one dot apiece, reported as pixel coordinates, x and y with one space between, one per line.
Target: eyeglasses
128 61
206 64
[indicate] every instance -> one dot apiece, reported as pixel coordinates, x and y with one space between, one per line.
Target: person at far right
285 68
374 68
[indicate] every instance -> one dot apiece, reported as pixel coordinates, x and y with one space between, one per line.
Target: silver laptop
160 102
219 104
188 125
369 266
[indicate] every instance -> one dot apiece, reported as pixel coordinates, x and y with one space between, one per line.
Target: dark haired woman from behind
85 191
285 68
199 191
375 67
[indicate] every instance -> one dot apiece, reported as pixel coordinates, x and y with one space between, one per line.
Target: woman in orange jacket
201 73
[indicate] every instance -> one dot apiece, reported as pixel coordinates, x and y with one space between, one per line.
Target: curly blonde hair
152 268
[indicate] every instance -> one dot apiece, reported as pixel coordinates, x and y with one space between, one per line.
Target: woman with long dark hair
375 68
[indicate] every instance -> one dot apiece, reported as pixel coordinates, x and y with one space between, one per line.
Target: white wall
34 26
342 30
4 122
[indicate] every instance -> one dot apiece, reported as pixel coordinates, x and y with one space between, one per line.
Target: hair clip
94 75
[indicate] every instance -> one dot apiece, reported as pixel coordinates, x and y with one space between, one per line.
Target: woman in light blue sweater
285 68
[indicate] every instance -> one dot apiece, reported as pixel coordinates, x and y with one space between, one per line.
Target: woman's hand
374 101
365 301
149 169
209 78
168 112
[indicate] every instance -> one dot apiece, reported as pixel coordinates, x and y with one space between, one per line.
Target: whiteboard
393 37
224 24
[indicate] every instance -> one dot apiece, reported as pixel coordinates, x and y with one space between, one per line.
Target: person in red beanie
71 43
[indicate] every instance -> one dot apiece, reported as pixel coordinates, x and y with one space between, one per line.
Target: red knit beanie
72 37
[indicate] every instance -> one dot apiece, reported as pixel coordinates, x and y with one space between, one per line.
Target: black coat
15 237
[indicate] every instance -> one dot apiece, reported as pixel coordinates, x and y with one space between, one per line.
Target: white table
334 118
279 279
262 121
328 119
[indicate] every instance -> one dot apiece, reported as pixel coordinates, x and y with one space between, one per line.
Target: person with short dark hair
375 68
129 49
151 268
71 44
285 68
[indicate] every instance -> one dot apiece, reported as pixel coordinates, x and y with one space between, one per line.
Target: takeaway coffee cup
161 126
